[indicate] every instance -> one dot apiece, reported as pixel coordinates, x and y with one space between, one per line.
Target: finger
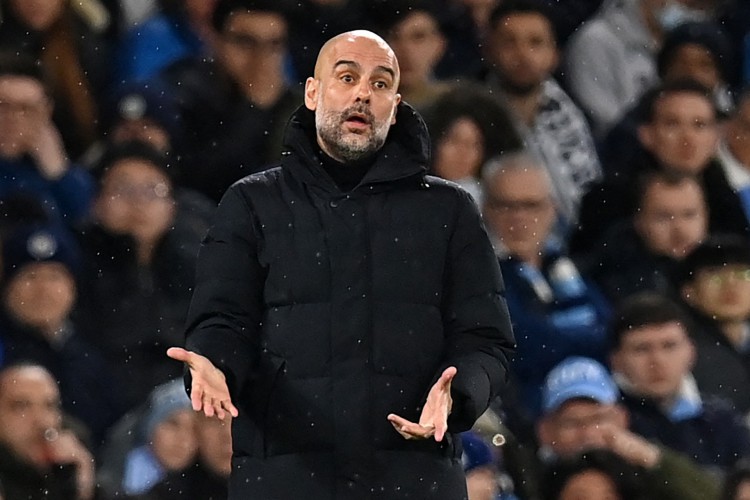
196 396
179 354
228 406
447 376
411 430
208 407
440 430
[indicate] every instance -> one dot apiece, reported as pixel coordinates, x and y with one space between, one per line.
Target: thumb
447 377
180 354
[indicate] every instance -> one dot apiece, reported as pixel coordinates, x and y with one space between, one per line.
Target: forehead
684 103
672 330
20 87
134 168
686 192
524 23
256 23
27 383
367 53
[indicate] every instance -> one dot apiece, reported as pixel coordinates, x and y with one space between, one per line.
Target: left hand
434 418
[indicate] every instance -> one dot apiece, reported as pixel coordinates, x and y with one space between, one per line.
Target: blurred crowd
606 143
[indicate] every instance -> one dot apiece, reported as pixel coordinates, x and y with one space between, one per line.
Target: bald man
349 309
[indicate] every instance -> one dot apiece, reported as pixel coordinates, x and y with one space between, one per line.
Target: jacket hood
406 151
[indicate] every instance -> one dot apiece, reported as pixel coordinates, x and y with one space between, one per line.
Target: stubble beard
349 146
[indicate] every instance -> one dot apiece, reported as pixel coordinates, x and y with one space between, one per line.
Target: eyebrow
356 65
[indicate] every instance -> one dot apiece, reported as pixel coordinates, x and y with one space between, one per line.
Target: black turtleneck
346 175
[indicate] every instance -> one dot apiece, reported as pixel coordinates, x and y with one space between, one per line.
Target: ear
396 102
687 292
312 87
621 416
614 361
544 432
646 136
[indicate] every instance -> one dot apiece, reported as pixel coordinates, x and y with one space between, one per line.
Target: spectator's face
459 152
215 443
522 48
41 295
693 61
39 15
24 106
173 440
579 425
590 484
519 210
683 134
654 359
29 406
672 219
721 292
737 131
253 45
354 96
135 199
743 491
481 483
418 45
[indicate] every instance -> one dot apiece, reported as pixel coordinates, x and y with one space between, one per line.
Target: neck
735 332
525 105
263 91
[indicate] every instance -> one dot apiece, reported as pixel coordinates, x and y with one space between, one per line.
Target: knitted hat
38 243
165 400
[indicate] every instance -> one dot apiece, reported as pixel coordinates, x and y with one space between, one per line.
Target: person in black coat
348 309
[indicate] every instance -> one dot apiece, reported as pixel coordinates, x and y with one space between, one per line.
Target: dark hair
488 112
706 34
510 7
627 480
225 8
13 63
385 15
650 176
716 251
643 309
134 150
646 109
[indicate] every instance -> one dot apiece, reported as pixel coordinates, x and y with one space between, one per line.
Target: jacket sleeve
479 336
677 477
226 309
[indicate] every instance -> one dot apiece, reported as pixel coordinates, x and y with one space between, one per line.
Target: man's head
169 426
414 33
715 278
672 215
30 413
522 46
24 103
737 129
518 204
579 401
39 269
354 94
650 345
252 40
679 126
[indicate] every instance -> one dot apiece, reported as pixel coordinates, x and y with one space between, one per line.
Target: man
348 309
734 157
581 413
522 52
38 457
33 159
652 356
642 252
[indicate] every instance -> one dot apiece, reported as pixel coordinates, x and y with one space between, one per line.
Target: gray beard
346 147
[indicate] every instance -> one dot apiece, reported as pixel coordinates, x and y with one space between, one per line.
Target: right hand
209 391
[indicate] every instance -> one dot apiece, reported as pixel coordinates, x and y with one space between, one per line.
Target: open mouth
358 120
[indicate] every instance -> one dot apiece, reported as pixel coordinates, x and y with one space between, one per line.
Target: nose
364 92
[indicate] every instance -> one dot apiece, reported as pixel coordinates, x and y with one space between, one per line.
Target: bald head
352 40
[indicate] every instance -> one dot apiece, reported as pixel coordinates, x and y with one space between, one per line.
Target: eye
380 84
347 78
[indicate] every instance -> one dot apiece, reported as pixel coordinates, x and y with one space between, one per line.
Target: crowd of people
605 143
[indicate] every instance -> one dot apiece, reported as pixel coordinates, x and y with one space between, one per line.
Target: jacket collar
404 155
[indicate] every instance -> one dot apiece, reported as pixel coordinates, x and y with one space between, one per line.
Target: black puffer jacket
327 311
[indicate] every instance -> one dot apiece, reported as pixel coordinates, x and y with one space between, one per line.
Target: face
481 484
39 15
590 485
743 491
721 292
353 95
519 210
29 406
41 295
418 45
23 106
253 45
695 62
215 443
135 199
579 425
654 359
522 48
459 153
673 219
173 440
737 132
683 135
